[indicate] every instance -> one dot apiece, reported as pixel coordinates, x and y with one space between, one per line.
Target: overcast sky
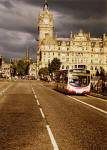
19 22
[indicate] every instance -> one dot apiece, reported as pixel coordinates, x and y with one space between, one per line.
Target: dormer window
67 43
59 43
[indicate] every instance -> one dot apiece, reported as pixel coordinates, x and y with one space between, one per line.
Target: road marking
97 98
89 105
35 96
33 91
52 138
3 91
4 82
38 102
42 113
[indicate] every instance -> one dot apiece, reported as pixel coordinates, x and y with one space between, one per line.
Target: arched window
91 68
67 67
63 67
95 68
48 61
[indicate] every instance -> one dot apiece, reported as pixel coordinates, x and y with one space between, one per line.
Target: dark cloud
19 22
6 3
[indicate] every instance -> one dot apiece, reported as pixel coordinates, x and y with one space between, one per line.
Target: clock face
46 21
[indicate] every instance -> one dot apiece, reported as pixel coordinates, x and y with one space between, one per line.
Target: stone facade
77 50
6 70
32 70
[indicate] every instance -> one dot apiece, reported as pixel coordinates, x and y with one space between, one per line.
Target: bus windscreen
80 81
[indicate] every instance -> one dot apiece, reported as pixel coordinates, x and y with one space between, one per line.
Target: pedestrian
91 86
103 86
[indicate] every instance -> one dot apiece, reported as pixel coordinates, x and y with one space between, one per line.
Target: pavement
103 96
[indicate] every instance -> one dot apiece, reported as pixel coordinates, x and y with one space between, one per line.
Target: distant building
1 59
27 55
32 70
6 69
76 51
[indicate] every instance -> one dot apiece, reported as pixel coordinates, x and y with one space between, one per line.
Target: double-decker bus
74 81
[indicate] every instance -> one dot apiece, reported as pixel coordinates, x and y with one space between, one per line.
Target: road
33 116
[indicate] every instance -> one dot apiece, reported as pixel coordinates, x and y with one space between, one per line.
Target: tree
54 65
43 71
22 67
97 73
102 72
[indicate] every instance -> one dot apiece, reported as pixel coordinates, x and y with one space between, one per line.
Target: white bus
74 81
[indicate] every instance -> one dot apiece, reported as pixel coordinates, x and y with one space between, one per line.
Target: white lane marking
42 113
97 98
89 105
35 96
38 102
33 91
3 91
52 138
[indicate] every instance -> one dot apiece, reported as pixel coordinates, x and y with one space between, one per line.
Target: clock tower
45 23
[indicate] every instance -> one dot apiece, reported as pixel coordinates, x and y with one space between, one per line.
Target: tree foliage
21 68
54 65
43 71
102 72
97 73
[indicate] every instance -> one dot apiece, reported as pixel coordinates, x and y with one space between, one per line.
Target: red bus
74 81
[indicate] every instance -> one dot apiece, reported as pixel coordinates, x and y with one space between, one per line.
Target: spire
45 8
27 54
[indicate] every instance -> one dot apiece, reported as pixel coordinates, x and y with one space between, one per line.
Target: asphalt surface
28 108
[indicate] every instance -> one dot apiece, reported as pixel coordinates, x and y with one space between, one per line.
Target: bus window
79 80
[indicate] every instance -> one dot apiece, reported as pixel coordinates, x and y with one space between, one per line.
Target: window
67 43
59 43
95 68
63 67
63 54
67 59
48 61
67 67
67 54
91 68
63 59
